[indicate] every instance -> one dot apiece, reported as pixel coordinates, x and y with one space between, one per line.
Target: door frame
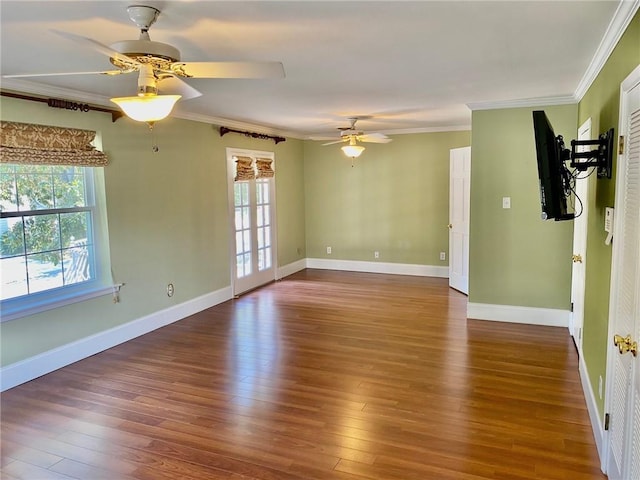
576 324
230 153
633 80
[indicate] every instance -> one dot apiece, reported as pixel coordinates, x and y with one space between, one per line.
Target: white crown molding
524 102
619 23
446 128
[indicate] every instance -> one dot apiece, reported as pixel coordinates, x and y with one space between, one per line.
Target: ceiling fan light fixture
147 108
353 151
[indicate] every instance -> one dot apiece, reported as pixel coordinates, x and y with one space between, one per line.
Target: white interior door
623 369
580 248
252 213
459 203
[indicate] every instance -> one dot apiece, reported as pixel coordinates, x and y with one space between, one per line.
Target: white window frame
100 284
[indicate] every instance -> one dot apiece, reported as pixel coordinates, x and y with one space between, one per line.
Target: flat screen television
555 177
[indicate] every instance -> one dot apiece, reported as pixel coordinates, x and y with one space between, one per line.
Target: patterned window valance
264 166
244 169
46 145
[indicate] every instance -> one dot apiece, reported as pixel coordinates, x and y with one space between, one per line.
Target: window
53 235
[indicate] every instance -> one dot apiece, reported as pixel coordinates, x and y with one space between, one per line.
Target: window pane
239 266
265 192
245 193
14 277
68 184
259 215
260 259
267 215
12 237
247 240
238 218
260 233
75 228
247 264
245 217
239 242
8 197
267 236
76 265
35 192
267 257
41 233
237 194
45 271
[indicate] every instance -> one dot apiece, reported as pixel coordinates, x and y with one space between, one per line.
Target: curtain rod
66 104
225 130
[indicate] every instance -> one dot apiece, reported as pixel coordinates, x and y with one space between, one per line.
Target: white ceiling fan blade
374 138
58 74
97 46
332 143
229 69
175 86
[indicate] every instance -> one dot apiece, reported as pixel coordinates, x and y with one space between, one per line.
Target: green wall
168 220
515 258
601 103
394 199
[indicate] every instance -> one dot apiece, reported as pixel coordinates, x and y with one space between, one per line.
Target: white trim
515 314
291 268
619 23
594 415
46 362
524 102
379 267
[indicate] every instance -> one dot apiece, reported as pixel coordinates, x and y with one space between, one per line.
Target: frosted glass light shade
147 108
353 151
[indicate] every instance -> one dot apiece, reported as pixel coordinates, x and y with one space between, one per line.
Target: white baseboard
291 268
46 362
594 414
379 267
515 314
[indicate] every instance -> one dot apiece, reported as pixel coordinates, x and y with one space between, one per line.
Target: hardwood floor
323 375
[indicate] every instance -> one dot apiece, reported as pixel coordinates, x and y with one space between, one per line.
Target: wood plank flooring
323 375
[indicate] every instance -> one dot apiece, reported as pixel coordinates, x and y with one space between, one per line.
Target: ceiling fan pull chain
154 144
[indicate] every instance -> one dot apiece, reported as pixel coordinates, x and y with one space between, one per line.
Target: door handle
577 258
449 226
625 344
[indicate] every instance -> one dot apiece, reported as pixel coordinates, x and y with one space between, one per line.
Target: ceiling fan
351 136
159 65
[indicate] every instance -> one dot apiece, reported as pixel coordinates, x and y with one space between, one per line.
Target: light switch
506 202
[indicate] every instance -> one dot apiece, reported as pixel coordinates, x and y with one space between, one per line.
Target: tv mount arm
601 158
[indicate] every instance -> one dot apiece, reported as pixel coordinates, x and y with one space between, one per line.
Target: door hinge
621 145
607 418
572 306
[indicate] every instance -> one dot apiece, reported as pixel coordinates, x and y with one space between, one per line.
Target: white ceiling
411 66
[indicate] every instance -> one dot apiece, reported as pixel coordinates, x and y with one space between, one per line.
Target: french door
252 205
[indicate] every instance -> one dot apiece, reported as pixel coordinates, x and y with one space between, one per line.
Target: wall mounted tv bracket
601 158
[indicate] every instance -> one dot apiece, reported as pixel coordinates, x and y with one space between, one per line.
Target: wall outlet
328 250
443 255
170 290
376 254
506 202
